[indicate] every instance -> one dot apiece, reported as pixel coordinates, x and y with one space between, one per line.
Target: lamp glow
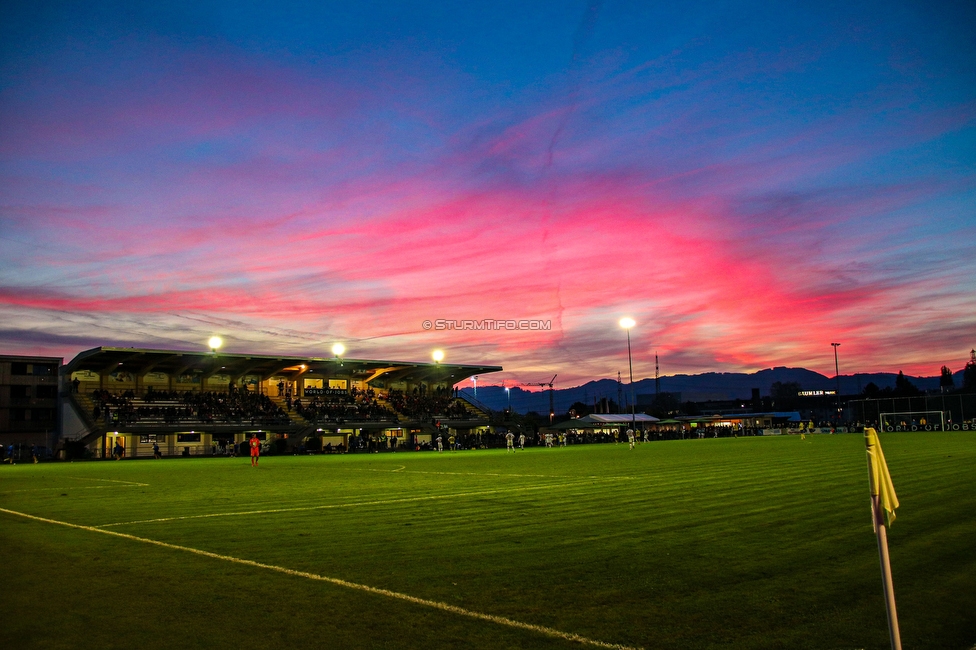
338 349
215 342
627 323
438 355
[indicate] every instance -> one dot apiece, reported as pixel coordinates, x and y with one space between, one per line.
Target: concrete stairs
292 415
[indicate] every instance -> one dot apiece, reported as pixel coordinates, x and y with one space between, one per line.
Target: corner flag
883 497
883 504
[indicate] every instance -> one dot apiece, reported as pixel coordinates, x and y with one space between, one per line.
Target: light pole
338 349
627 323
508 392
837 374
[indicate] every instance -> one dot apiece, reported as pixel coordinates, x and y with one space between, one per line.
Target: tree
579 409
905 388
606 405
871 390
969 374
945 381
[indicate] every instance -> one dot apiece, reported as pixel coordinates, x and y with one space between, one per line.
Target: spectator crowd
238 406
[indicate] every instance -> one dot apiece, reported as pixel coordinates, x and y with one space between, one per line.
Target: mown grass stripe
333 506
446 607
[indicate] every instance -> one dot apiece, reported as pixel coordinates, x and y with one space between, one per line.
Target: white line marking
106 480
356 504
505 475
72 487
88 487
446 607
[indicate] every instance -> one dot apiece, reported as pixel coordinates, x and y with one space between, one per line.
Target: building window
147 438
19 392
188 437
46 392
36 369
18 415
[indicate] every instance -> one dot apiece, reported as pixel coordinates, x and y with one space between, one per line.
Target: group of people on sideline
15 453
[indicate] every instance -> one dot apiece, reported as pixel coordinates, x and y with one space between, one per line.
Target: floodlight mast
837 374
338 349
628 323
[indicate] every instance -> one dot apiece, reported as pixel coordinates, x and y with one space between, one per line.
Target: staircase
476 410
292 414
84 405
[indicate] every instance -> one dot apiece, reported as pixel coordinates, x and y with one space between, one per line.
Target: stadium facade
130 402
30 404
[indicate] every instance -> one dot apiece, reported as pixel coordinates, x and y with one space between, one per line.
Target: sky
749 182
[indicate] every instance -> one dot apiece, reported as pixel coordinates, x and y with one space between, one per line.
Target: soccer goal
912 421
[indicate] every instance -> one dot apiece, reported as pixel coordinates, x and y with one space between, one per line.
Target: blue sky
750 182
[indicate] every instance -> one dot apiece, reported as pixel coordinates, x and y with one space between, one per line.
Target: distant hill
695 388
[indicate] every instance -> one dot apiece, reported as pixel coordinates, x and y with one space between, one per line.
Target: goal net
912 421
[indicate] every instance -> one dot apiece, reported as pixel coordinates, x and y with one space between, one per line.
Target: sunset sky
748 181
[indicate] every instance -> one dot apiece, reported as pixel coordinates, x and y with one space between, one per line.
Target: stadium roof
600 420
140 361
792 416
617 418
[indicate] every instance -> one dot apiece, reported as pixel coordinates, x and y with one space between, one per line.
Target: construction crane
552 408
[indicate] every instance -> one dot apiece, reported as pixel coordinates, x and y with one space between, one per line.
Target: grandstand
197 403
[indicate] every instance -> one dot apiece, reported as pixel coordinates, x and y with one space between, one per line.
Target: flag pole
883 504
889 587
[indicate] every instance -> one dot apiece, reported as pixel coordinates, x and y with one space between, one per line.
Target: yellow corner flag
883 498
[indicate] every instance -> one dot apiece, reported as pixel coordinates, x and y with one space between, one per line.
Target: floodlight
627 323
215 342
338 349
438 355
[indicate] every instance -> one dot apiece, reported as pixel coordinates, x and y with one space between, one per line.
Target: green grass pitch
732 543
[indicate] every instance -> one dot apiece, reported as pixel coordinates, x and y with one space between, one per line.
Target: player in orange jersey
255 449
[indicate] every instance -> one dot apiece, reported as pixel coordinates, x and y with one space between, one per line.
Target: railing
470 399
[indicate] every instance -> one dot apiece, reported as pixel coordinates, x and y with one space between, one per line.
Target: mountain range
709 386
